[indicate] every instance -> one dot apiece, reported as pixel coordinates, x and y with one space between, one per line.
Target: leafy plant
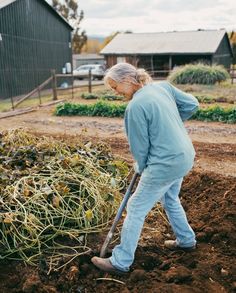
111 97
106 109
89 96
216 113
205 99
100 108
103 95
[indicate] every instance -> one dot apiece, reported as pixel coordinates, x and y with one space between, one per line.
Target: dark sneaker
172 245
105 265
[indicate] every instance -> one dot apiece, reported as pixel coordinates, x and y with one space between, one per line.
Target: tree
70 11
110 37
92 46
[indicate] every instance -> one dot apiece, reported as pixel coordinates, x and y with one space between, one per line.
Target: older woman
163 153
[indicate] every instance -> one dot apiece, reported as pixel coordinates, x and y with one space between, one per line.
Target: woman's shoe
172 245
105 265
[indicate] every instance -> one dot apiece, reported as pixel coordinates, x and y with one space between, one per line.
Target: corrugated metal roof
202 41
4 3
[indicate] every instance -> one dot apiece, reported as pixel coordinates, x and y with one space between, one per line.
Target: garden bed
108 109
209 200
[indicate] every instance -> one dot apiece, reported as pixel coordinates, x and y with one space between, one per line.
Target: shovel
118 215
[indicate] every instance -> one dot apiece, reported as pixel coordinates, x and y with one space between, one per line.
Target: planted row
106 109
216 113
100 108
102 95
212 100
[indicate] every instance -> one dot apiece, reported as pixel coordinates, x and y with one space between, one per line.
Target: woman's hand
136 168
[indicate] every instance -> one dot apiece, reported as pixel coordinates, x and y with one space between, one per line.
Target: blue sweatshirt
156 133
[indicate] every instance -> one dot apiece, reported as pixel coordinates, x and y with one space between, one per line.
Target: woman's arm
137 133
187 104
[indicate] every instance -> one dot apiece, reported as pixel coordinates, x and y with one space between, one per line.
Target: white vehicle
97 71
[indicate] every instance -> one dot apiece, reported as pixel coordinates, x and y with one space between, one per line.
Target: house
163 51
34 39
83 59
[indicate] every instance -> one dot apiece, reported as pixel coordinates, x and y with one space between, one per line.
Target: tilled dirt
43 120
210 156
212 140
208 196
210 203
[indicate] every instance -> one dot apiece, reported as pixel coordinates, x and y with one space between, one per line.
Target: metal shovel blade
118 215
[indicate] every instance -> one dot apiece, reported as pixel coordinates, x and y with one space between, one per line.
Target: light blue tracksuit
164 154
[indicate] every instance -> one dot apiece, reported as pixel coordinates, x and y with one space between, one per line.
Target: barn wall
178 60
223 55
134 60
110 60
158 61
34 41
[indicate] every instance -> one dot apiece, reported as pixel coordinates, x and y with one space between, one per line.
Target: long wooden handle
118 215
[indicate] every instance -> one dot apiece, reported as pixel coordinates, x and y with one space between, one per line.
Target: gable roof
4 3
186 42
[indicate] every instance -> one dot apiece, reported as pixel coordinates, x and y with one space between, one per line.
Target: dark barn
163 51
34 39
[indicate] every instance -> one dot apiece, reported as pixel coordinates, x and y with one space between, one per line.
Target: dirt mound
210 202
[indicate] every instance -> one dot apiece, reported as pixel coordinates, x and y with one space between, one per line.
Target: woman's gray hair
125 72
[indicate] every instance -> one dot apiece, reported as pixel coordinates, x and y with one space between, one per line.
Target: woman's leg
170 201
140 203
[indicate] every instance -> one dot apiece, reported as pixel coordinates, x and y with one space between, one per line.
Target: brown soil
208 196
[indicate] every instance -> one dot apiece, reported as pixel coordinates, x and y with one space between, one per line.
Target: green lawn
6 105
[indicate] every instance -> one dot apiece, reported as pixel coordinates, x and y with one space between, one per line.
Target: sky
104 17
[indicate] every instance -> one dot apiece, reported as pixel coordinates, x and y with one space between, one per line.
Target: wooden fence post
12 103
72 87
54 84
90 81
232 74
39 96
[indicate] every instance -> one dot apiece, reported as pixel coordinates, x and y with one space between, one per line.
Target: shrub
198 74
